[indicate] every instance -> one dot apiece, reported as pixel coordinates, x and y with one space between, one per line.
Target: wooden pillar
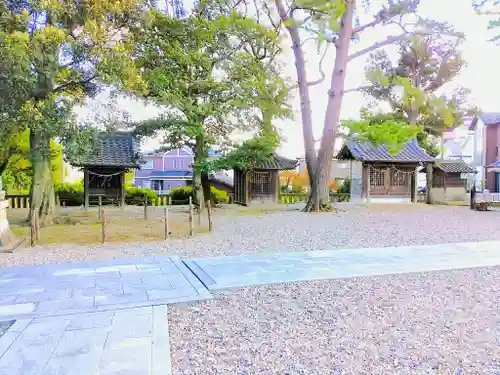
246 182
122 189
86 188
368 183
414 186
429 169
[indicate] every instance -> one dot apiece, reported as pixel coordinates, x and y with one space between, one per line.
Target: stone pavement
123 342
109 317
59 289
238 271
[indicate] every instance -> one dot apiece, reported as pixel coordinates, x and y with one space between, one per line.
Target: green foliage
71 194
17 176
345 188
52 55
135 196
180 195
202 69
411 85
490 9
219 196
383 129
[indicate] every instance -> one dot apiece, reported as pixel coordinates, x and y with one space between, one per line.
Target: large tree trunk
199 155
42 188
319 197
303 86
205 185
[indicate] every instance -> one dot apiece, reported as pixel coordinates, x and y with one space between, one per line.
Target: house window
148 165
496 151
377 176
181 162
174 164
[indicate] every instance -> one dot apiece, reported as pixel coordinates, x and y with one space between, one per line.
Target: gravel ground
426 323
294 231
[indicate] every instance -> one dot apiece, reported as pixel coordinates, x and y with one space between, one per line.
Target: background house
164 171
489 121
467 142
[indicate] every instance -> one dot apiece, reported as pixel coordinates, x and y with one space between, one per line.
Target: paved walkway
103 318
238 271
60 289
124 342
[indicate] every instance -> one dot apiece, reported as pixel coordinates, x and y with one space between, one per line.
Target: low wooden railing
290 198
18 200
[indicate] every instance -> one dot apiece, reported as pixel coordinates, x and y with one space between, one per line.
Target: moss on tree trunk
42 187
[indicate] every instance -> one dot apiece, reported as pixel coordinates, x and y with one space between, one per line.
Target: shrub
71 194
346 187
181 195
135 196
219 196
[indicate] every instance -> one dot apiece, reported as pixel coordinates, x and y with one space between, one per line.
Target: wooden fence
23 201
18 201
290 198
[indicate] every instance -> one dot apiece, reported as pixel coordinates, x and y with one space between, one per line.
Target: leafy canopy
210 85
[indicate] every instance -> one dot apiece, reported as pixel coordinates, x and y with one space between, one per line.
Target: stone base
7 238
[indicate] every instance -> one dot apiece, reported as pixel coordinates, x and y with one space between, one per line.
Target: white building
467 142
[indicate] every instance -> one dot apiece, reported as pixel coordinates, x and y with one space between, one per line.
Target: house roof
118 149
171 173
279 163
221 179
494 165
367 151
454 166
488 118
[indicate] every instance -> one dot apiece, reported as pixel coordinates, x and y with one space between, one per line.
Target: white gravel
427 323
295 231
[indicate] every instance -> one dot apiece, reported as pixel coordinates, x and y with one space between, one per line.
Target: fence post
165 215
32 227
209 211
190 216
103 226
100 208
145 207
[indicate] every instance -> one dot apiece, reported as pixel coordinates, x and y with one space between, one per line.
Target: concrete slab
59 289
232 271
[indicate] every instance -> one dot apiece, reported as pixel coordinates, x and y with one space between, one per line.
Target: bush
71 194
219 196
346 187
181 195
135 196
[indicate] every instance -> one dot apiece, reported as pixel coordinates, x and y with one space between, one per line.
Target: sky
480 75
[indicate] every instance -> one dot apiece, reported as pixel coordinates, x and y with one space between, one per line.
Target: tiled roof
366 151
494 165
222 179
171 173
454 166
490 118
119 149
279 163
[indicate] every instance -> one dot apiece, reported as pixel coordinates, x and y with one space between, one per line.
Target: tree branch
321 71
373 47
374 23
356 89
